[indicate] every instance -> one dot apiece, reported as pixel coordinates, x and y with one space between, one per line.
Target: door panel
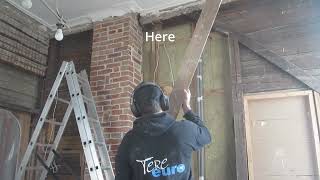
281 139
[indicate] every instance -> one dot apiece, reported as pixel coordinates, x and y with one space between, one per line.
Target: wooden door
282 136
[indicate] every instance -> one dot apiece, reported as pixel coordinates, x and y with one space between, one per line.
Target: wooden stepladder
82 104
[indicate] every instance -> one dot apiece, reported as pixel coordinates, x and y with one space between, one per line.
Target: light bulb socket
60 26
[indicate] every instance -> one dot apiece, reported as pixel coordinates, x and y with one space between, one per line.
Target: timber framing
277 60
171 13
192 8
238 109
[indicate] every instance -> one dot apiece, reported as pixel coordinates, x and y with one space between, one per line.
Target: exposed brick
116 135
116 112
117 26
97 78
120 101
122 58
124 105
106 24
114 75
114 96
114 45
112 65
119 79
112 86
113 141
113 31
121 123
117 129
114 148
97 88
104 72
121 39
114 55
116 67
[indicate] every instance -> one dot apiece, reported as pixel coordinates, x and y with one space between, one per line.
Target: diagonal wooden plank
193 53
277 60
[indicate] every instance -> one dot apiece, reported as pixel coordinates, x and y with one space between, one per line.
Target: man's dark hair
147 99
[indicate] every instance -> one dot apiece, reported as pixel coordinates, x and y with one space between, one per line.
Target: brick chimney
115 71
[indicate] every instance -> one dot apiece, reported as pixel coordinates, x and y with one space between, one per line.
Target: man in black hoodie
158 147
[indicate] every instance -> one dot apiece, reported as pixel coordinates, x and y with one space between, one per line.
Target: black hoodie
160 148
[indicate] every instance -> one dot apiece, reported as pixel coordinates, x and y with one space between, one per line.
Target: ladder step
81 79
100 143
35 168
93 120
54 122
87 100
62 100
106 168
44 145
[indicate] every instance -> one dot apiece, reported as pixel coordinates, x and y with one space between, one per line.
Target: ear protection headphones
164 100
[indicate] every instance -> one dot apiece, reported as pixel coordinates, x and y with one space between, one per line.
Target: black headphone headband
164 100
144 84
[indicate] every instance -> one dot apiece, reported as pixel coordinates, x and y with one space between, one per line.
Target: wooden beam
171 13
238 110
193 53
189 8
275 59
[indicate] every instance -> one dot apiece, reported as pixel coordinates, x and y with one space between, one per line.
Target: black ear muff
134 108
164 102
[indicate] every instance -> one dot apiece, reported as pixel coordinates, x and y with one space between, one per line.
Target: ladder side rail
42 118
93 164
57 139
92 112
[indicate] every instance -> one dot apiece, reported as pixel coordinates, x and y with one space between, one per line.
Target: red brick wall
115 71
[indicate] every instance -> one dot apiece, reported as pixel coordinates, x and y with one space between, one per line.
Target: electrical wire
57 8
157 63
55 12
170 65
50 9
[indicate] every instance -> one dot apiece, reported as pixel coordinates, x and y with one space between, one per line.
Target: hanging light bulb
26 4
59 34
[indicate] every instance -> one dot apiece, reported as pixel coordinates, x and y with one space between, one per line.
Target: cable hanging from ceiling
61 21
27 4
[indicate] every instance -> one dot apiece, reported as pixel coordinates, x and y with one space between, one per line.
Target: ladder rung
53 122
93 120
100 143
62 100
86 99
44 145
81 79
106 168
35 168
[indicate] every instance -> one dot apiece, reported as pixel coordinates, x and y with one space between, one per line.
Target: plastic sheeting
9 144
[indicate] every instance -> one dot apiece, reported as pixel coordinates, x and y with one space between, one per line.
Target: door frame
314 106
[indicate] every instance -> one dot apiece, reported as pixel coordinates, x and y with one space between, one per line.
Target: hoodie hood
153 124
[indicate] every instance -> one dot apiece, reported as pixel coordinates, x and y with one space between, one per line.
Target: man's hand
186 100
